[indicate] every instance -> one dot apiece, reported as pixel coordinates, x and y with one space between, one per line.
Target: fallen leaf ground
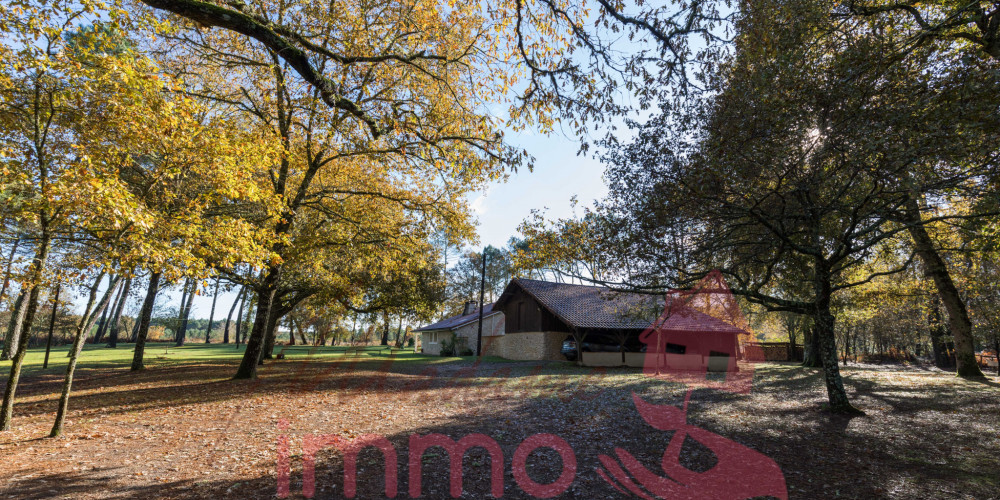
183 429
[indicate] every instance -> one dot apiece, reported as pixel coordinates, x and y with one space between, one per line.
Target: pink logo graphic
701 340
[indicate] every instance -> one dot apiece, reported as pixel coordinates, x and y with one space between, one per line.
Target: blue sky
559 175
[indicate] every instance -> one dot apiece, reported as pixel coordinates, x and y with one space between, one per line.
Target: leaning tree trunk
86 322
102 327
180 310
52 324
35 281
12 338
826 342
7 270
958 315
229 318
145 314
255 344
211 314
239 317
117 316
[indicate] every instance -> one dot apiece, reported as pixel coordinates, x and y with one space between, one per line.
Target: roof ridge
579 285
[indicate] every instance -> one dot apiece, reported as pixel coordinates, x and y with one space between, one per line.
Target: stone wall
527 346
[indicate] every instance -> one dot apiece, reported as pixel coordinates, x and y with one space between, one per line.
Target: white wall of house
465 335
430 342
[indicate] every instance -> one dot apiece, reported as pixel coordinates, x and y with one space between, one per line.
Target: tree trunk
229 318
247 324
239 317
291 331
117 316
52 325
958 314
827 342
385 330
7 270
255 344
191 286
272 335
211 313
86 322
811 356
302 335
791 327
35 279
400 334
939 347
996 352
12 338
180 310
143 322
102 327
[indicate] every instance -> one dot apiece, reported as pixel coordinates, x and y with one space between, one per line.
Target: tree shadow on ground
912 444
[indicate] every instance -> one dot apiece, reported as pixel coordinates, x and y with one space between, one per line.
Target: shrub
466 352
448 346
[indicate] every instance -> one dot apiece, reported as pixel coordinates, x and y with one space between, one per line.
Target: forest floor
183 429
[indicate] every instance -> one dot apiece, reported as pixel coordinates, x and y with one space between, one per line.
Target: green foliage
448 346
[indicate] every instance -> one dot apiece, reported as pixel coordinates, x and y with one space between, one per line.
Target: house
531 319
620 328
540 315
465 327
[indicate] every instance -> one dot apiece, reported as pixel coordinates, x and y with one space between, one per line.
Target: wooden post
482 292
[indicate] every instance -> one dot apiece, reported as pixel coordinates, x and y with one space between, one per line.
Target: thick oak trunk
255 344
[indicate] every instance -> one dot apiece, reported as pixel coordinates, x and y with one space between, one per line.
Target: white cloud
478 205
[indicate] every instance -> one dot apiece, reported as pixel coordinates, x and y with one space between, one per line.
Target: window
675 348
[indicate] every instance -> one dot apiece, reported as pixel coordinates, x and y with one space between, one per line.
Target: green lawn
164 354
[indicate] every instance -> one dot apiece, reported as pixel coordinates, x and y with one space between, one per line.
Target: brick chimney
470 307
